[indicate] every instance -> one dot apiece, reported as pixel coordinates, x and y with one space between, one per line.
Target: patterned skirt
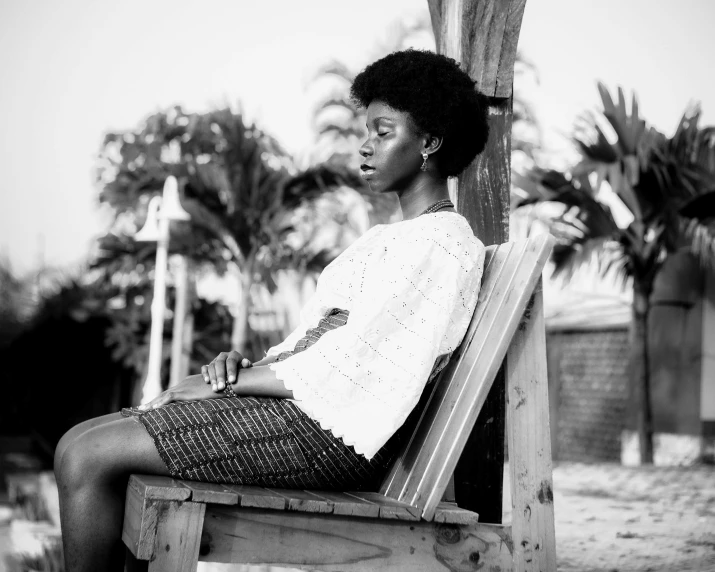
260 440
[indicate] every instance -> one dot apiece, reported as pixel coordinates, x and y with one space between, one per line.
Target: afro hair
438 95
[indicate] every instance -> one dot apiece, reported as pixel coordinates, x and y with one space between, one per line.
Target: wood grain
178 536
139 528
483 35
341 544
347 505
211 493
159 488
390 508
304 501
452 514
258 497
530 444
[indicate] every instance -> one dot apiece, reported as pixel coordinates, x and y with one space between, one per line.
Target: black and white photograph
377 286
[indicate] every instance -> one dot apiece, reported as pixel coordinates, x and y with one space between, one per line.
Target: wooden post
483 35
532 496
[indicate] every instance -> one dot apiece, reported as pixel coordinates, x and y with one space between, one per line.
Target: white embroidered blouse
411 288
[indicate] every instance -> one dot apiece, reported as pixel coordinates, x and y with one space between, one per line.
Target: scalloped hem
321 419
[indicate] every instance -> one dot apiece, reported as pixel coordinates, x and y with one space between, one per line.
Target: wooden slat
211 493
347 505
450 513
530 444
159 488
420 474
402 467
304 501
343 544
258 497
390 508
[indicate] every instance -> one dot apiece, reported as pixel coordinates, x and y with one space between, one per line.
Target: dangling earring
424 161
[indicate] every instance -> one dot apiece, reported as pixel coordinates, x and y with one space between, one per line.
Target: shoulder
446 231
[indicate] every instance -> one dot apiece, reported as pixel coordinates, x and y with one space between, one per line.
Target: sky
70 71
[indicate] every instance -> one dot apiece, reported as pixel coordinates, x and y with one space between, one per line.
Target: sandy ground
613 519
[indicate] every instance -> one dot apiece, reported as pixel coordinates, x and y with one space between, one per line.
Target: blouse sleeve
362 380
289 343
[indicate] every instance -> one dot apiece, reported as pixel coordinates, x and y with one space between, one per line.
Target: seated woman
322 409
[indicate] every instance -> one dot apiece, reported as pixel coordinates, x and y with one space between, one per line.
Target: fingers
234 362
161 400
224 369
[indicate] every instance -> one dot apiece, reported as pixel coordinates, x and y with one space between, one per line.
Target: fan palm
667 185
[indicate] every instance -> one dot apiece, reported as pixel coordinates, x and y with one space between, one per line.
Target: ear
431 144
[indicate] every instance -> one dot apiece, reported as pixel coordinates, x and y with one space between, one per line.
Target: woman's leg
76 431
92 482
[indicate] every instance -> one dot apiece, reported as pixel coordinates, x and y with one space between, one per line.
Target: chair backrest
421 472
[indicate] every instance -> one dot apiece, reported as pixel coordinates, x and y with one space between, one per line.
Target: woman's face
392 152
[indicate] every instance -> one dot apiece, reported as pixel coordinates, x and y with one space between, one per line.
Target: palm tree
237 183
667 185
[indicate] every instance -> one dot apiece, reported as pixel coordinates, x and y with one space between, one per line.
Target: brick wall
588 387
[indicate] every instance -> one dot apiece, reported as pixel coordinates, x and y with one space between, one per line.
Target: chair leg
530 443
178 537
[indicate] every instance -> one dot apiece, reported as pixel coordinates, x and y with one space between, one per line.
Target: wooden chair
405 526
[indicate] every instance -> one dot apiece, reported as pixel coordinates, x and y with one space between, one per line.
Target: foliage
340 125
15 302
657 180
240 188
665 187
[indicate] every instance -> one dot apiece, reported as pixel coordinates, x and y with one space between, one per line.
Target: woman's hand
192 388
224 367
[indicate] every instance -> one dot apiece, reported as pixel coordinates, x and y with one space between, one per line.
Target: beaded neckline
439 205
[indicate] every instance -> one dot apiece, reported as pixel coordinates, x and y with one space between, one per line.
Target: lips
366 170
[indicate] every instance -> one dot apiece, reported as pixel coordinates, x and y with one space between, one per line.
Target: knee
82 462
64 442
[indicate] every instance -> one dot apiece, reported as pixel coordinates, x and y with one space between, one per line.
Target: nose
365 150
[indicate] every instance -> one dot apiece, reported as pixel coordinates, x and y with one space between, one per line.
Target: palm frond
701 240
627 125
335 68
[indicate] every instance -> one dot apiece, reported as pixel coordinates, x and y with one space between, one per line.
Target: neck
423 192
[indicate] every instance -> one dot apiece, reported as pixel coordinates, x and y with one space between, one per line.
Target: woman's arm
260 381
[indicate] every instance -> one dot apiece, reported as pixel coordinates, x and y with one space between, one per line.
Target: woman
323 409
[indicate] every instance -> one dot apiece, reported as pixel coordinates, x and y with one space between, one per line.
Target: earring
424 161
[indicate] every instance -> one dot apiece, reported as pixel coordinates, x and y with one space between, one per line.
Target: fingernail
232 378
221 385
213 386
207 378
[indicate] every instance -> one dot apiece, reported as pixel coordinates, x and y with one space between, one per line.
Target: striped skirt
261 441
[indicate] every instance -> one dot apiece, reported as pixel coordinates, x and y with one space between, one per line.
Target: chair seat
358 504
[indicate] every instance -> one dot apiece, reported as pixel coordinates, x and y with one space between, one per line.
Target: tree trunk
640 368
239 336
483 35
